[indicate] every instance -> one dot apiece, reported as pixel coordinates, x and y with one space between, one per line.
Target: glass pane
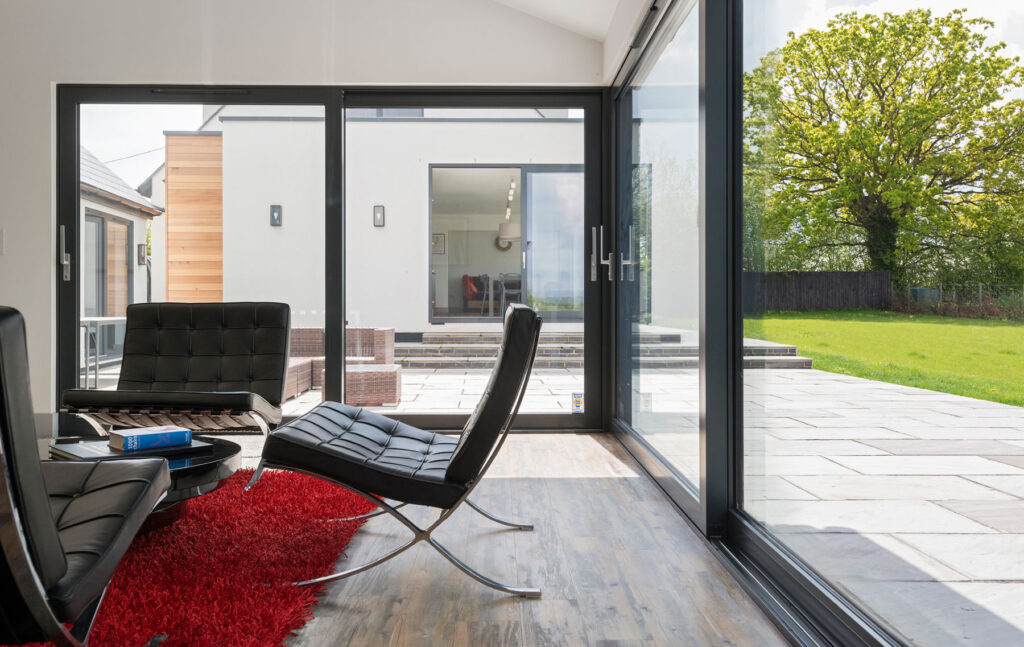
202 203
659 271
884 439
555 245
438 201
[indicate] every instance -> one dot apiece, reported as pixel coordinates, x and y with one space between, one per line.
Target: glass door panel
437 204
555 246
201 203
659 270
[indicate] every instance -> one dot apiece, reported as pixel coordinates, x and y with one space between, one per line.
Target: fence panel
815 290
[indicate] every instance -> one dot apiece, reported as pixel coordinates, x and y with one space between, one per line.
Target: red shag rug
219 576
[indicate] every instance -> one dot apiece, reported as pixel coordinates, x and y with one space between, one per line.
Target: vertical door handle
597 254
65 257
607 260
627 262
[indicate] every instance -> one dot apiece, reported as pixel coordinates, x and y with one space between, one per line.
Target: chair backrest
207 347
498 405
20 449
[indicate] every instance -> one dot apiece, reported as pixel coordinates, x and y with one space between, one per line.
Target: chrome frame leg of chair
419 534
510 524
368 515
255 476
521 591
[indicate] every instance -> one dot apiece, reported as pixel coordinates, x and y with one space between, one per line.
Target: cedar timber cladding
195 234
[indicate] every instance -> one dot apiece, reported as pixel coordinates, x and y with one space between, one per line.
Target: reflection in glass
659 269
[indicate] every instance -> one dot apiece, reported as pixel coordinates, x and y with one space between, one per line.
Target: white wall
388 163
45 42
265 163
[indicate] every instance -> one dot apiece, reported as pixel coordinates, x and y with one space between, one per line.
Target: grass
978 358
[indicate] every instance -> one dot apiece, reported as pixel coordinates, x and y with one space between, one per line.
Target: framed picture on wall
438 244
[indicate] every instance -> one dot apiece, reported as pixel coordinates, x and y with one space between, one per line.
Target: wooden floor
616 563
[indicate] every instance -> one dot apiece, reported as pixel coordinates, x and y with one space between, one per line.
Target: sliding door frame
334 100
595 164
69 99
800 601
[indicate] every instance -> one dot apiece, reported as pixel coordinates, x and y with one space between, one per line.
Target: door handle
627 262
65 257
597 255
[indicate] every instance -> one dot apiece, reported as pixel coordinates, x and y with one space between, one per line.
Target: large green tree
886 142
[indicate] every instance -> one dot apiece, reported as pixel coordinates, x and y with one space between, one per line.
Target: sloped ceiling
590 18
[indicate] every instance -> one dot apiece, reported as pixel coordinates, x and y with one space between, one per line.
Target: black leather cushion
91 399
510 374
21 450
97 508
369 452
207 347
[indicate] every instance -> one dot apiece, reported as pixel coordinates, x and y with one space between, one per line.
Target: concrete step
455 362
414 350
545 338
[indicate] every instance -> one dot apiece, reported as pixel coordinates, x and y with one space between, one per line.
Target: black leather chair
64 526
370 454
205 366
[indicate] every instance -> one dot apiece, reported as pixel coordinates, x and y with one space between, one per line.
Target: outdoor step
545 338
414 350
450 362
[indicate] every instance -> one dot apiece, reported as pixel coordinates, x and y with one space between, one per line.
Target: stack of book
164 441
142 438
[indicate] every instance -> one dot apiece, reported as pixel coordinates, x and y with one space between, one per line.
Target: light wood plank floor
616 563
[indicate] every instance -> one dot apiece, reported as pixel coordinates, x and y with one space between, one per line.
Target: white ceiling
590 18
479 191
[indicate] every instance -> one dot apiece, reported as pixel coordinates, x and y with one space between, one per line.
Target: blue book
133 440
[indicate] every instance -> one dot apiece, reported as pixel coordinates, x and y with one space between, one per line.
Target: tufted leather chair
370 453
205 366
64 526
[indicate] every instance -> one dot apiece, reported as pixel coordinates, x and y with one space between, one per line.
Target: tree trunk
880 231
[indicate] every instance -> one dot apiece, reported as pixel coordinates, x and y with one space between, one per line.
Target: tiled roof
96 174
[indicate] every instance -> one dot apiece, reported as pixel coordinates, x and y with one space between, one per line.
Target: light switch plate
378 215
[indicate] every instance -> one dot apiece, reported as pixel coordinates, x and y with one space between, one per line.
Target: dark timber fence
815 290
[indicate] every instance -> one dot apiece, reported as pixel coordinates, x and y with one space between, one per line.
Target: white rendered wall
281 163
388 164
45 42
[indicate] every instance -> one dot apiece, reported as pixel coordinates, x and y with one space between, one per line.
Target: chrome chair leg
419 534
510 524
523 592
368 515
255 476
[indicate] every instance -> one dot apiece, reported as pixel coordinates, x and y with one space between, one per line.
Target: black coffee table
192 474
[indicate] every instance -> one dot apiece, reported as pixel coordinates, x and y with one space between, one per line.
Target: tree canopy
887 142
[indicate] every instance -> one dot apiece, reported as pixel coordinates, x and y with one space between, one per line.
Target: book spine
149 441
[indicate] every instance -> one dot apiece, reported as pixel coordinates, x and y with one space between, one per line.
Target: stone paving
910 501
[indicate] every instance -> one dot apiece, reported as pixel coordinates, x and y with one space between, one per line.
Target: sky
767 22
112 132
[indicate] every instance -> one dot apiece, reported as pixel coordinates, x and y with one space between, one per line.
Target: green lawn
974 357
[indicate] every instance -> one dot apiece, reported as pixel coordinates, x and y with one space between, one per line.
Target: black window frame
335 99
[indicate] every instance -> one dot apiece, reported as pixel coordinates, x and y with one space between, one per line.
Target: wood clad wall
195 235
117 268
